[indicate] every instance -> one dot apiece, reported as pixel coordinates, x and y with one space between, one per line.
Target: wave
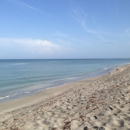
13 96
1 98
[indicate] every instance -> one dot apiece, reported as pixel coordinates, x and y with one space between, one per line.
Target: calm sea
20 78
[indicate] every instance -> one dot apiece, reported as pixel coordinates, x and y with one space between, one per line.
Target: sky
64 29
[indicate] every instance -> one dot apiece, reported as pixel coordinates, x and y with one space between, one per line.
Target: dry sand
101 103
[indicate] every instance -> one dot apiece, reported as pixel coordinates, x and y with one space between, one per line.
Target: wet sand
100 103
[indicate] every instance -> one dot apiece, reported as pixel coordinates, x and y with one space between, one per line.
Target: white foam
26 92
14 95
4 97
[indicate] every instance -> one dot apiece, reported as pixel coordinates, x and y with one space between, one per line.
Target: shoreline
43 95
17 103
72 104
69 80
24 90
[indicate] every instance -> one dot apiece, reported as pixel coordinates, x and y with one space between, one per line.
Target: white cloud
27 6
80 16
33 45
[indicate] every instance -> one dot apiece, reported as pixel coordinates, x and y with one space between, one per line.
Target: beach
98 103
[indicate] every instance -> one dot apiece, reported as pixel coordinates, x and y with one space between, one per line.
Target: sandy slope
101 103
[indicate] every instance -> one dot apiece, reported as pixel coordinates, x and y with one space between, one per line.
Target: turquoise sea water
20 78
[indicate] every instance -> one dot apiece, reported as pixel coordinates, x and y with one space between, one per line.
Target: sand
100 103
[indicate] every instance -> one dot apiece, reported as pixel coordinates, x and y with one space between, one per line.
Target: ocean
19 78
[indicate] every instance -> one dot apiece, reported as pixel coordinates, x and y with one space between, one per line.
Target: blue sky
48 29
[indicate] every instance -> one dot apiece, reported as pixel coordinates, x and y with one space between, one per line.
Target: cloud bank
37 47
